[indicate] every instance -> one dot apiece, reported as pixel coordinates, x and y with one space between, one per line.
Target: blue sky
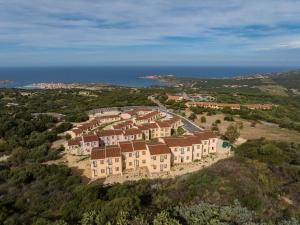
150 32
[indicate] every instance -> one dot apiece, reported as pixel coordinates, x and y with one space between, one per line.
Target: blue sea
121 75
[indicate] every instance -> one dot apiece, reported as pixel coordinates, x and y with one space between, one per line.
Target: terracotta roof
113 151
147 126
105 152
163 124
139 145
107 117
148 115
177 142
194 140
122 125
73 142
132 131
98 153
90 138
105 133
158 149
126 146
205 135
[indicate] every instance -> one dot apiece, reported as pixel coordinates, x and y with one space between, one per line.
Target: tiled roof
177 142
148 115
98 153
113 151
139 145
107 117
105 152
205 135
122 125
90 138
147 126
132 131
163 124
105 133
126 146
158 149
73 142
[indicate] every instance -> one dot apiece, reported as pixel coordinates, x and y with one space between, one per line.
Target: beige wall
105 167
159 163
182 154
197 151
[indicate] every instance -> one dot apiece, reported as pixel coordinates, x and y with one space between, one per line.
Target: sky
150 32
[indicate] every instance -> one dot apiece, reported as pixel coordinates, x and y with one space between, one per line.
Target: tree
203 119
232 133
192 116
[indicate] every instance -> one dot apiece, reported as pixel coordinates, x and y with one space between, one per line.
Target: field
263 129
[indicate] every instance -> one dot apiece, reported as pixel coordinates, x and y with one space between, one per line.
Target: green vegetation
261 183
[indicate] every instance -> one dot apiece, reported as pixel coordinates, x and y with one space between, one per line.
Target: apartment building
160 158
110 137
87 143
209 140
181 149
123 126
150 130
133 134
74 146
164 128
106 161
214 105
134 154
108 118
147 118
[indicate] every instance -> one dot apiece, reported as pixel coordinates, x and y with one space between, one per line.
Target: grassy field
262 129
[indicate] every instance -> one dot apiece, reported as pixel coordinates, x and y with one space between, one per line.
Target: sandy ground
263 129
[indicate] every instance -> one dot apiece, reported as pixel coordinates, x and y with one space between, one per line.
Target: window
101 161
137 154
130 163
130 154
213 140
205 142
109 170
117 169
116 159
166 156
102 171
162 158
95 163
109 161
198 146
212 148
197 154
154 157
182 150
154 167
144 152
95 173
187 158
188 149
175 149
165 165
144 161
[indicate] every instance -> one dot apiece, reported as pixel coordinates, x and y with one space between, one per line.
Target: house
147 118
259 106
164 128
123 126
181 148
74 146
133 134
175 98
160 158
76 132
110 137
150 130
134 154
106 161
89 142
108 118
209 141
214 105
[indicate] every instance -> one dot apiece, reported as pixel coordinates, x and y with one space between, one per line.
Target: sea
130 76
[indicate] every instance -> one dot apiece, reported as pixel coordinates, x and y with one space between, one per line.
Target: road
187 124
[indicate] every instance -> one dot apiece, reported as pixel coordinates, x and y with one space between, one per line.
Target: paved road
187 124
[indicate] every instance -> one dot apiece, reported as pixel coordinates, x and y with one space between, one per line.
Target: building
110 137
160 158
133 134
176 98
181 149
147 118
89 142
214 105
106 161
259 106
